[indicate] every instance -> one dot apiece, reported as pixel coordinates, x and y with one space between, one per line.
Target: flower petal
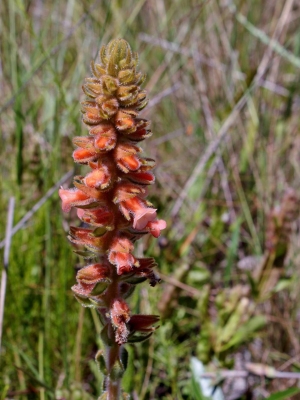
73 197
142 217
156 226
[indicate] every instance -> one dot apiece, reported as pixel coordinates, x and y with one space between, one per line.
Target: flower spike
111 203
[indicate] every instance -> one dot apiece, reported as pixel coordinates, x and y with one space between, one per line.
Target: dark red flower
120 255
120 315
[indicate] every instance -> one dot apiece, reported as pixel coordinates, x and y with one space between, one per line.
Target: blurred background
223 82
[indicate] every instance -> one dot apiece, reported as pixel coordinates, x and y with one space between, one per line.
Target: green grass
49 342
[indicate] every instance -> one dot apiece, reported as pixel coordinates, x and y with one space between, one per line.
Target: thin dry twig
210 150
181 285
272 43
164 93
210 127
176 48
54 50
214 145
8 236
290 362
38 205
168 136
252 369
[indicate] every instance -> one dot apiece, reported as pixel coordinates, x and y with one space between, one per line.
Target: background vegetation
223 79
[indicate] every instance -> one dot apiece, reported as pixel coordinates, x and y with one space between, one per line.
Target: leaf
197 394
106 336
100 361
285 394
244 333
33 372
86 254
198 275
252 283
139 338
4 392
284 283
117 371
232 249
124 357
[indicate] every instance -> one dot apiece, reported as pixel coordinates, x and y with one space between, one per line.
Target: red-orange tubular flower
111 199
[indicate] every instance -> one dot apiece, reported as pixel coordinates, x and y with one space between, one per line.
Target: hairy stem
113 386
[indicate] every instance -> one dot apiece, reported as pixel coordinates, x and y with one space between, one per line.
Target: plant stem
113 387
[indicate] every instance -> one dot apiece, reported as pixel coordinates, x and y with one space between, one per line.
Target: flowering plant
111 200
